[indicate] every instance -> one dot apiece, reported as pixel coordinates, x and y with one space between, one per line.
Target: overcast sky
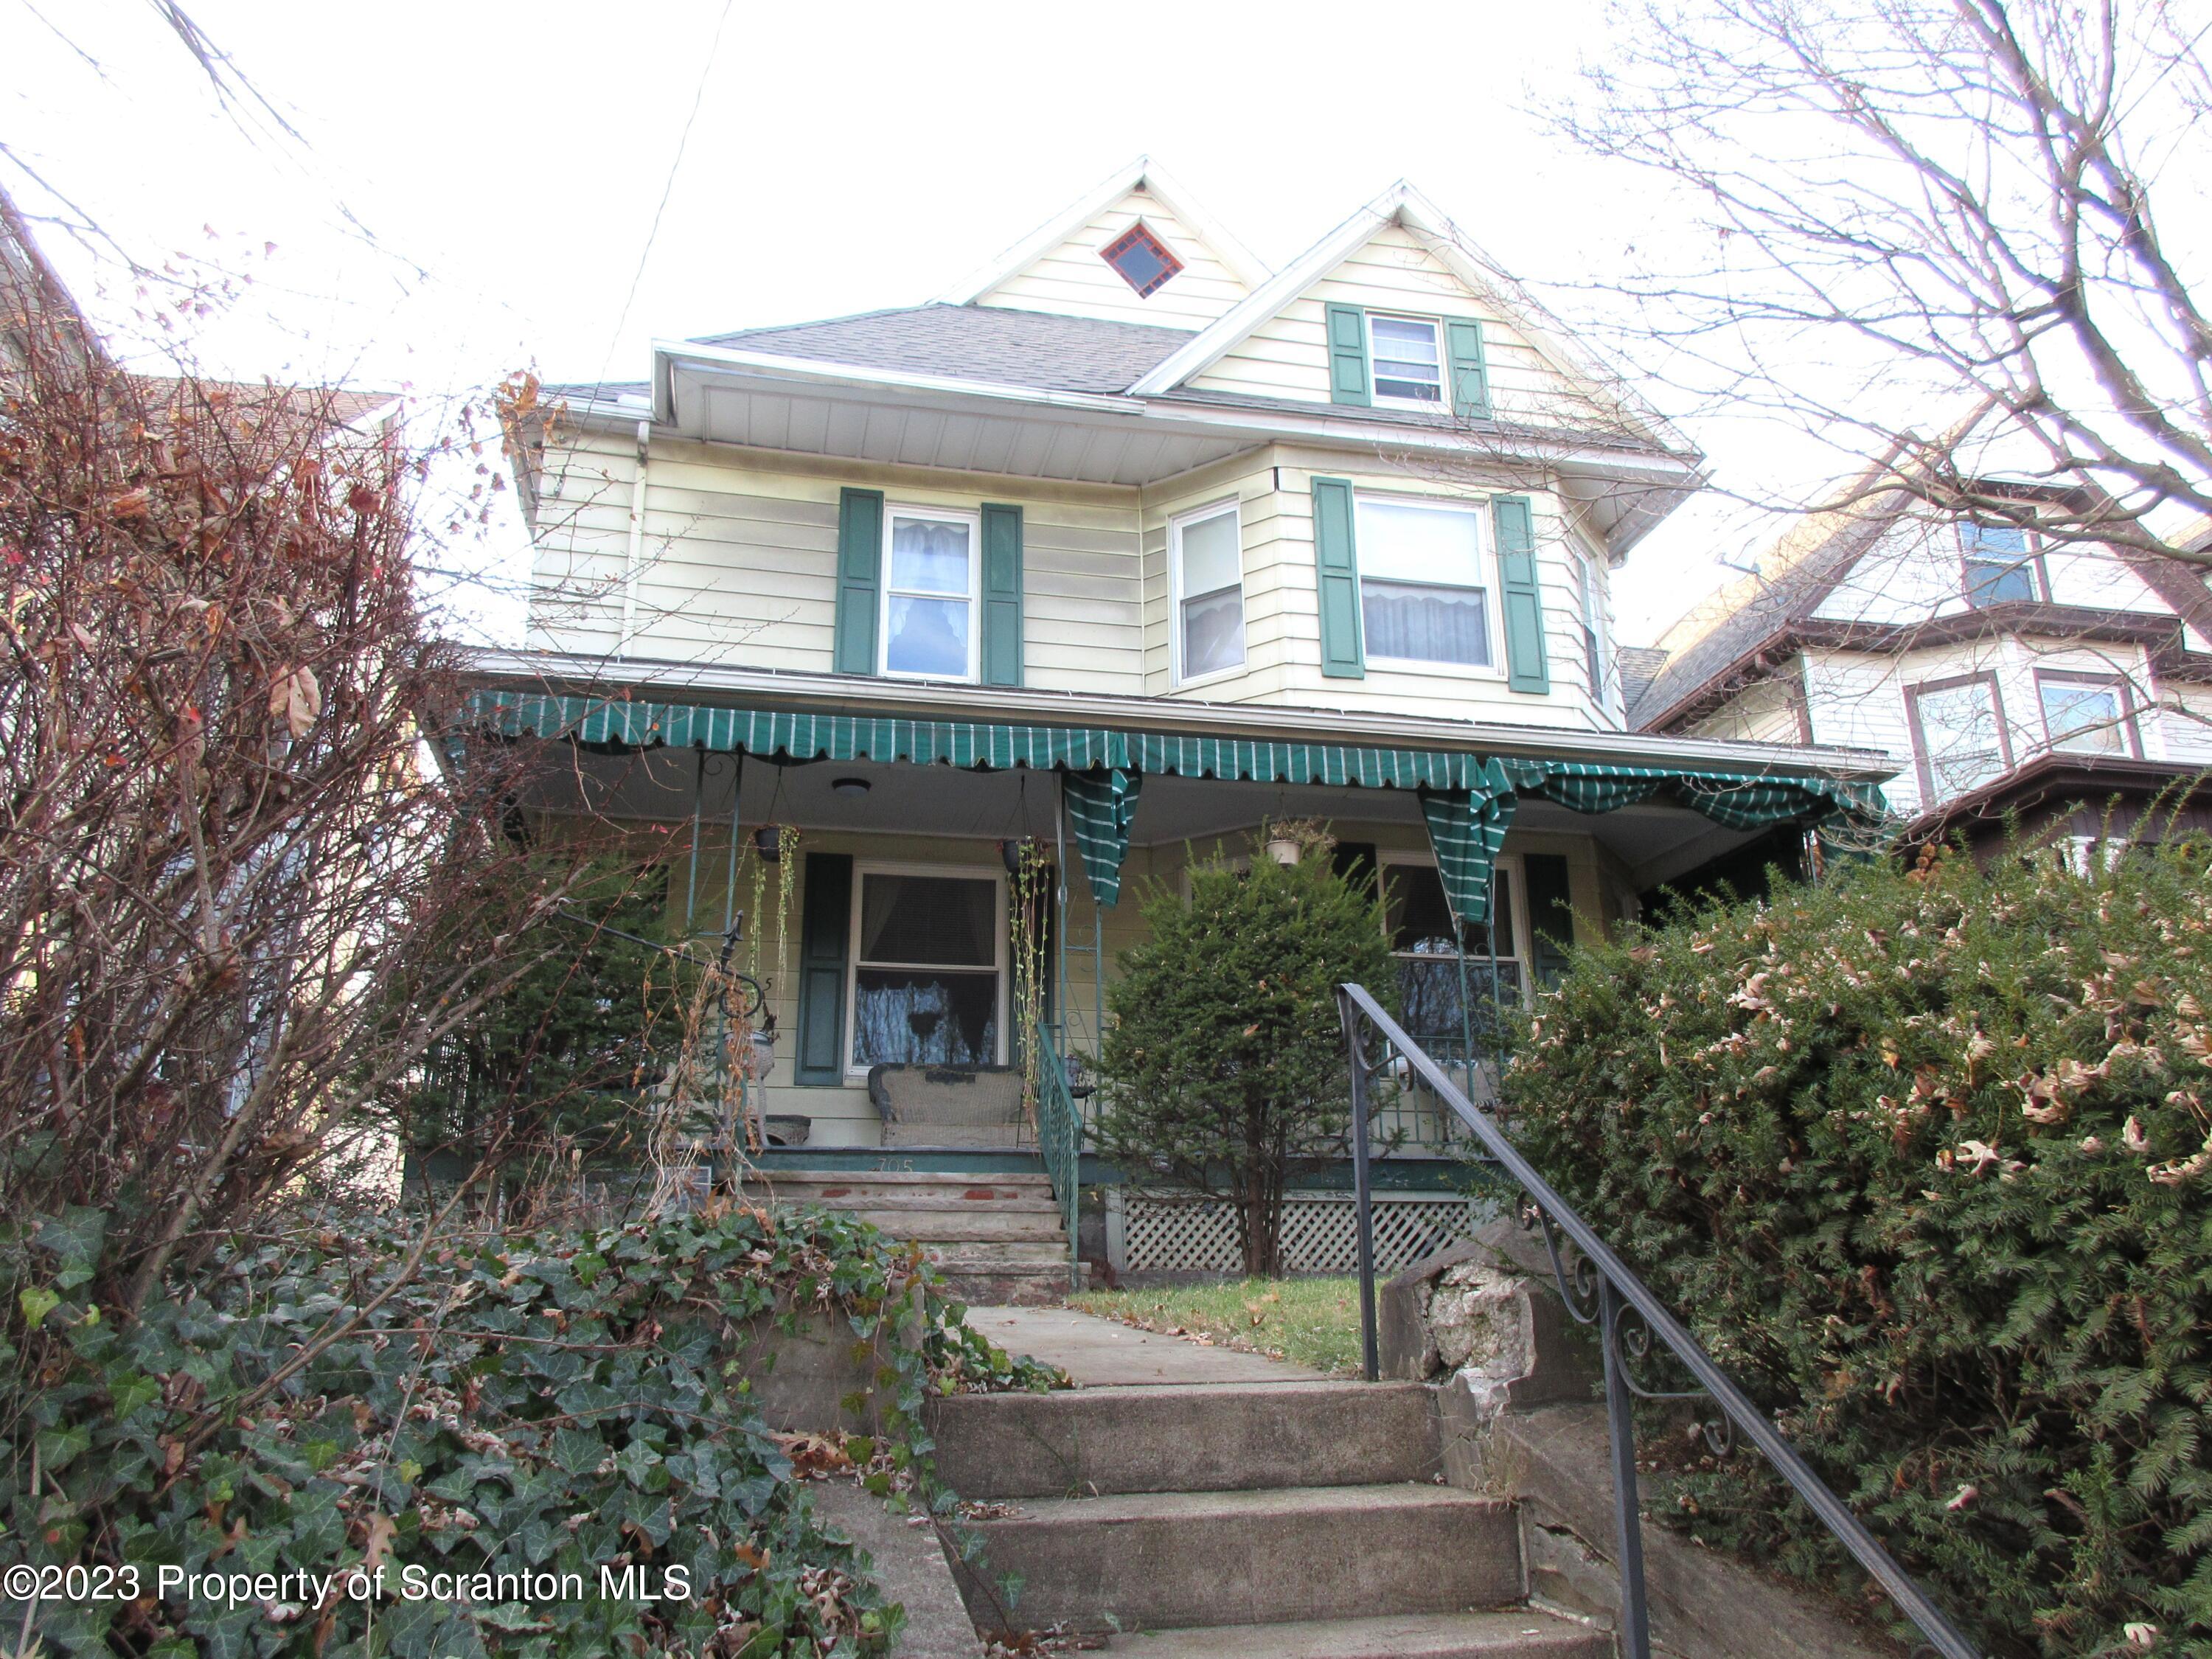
474 184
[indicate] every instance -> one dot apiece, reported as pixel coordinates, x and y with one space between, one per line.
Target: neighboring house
1129 544
2004 672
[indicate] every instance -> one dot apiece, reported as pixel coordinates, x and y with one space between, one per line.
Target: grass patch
1307 1321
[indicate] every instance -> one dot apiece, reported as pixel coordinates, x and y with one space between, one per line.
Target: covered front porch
1496 849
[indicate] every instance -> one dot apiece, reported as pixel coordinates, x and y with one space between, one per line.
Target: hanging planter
1289 840
767 842
1010 853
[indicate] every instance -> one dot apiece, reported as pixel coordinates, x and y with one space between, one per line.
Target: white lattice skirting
1156 1232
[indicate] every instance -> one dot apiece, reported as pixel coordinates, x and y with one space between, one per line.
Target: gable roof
992 343
1402 204
1145 172
1772 610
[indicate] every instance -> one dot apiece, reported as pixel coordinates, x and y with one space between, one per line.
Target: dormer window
1141 259
1999 565
1408 369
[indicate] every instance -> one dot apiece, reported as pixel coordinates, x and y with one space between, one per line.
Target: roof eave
542 669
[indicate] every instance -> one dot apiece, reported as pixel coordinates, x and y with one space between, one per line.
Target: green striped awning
1467 800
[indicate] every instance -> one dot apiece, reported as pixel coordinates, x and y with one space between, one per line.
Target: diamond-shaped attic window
1142 259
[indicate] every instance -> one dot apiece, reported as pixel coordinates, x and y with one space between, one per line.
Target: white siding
1915 572
1073 280
1286 357
1859 697
1766 711
738 568
2186 724
740 551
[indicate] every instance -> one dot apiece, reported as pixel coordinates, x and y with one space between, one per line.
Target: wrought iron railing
1060 1137
1599 1289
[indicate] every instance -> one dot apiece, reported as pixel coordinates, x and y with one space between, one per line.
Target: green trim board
1467 800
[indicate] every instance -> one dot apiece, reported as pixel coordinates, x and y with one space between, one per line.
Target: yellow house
1124 546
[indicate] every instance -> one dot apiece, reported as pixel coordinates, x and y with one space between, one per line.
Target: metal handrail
1060 1137
1618 1291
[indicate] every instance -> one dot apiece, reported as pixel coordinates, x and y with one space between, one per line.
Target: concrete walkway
1104 1353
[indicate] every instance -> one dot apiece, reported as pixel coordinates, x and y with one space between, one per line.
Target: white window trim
1234 508
1493 622
1510 863
892 512
1593 618
861 871
1442 406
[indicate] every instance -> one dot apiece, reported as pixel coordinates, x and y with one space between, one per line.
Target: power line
667 189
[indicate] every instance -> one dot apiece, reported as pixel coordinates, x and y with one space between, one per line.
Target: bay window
929 972
2087 713
1423 594
1958 735
1206 550
929 594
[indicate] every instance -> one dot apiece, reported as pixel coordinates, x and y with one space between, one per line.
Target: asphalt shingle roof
976 342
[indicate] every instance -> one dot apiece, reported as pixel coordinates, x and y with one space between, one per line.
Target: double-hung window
2087 713
1422 592
1958 731
930 561
1590 619
1408 366
1429 980
1206 547
929 960
1999 564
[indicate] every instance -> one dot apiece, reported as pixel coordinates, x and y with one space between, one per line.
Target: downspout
634 558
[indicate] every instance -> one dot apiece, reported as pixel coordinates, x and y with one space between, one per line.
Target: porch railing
1600 1290
1060 1137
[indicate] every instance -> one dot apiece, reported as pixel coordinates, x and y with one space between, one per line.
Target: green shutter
1002 595
1348 354
1470 371
1336 565
825 924
1520 598
1551 917
859 566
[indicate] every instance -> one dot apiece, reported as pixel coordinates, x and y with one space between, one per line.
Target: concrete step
985 1255
976 1224
1169 1560
965 1200
1014 1287
1194 1437
894 1182
1517 1633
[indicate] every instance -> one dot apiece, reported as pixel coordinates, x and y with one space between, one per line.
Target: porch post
1059 913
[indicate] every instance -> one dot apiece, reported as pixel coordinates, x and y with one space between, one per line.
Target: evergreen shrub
1224 1061
1922 1156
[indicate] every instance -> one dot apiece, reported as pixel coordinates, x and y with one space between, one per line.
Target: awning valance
1467 800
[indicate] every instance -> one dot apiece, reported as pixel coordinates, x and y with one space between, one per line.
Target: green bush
1224 1063
550 1402
1922 1157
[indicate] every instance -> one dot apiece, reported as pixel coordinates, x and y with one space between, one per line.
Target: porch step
958 1201
998 1238
1182 1438
1517 1633
1167 1560
983 1222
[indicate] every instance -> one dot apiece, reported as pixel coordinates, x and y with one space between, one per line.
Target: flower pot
767 842
1283 850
